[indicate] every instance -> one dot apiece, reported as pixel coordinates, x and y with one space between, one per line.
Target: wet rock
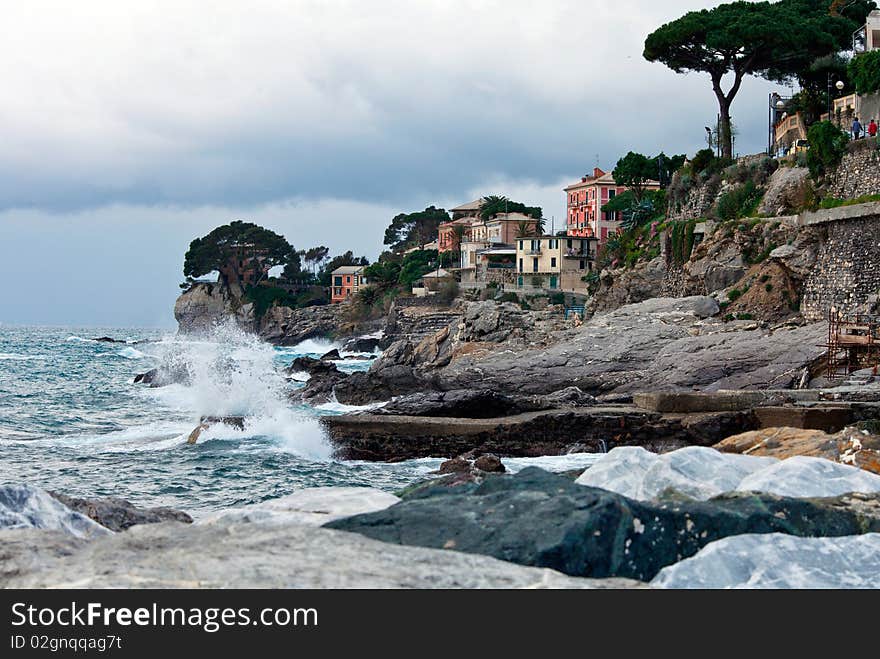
455 465
206 422
108 339
363 345
490 464
27 507
165 375
541 519
311 366
332 354
118 514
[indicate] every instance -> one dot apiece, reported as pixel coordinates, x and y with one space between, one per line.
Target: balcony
533 251
578 254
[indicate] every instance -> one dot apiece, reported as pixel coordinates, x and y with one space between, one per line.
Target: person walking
872 129
856 128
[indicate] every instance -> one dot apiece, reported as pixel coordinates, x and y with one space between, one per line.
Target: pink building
584 201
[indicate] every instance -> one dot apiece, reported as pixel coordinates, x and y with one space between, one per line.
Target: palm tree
525 229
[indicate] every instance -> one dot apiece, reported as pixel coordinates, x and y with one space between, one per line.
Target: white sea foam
334 405
14 356
132 353
312 347
233 374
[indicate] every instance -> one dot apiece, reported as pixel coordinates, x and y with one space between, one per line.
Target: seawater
72 420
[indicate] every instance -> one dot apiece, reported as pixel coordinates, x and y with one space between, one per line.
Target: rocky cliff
203 307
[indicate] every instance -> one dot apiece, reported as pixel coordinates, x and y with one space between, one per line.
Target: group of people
859 131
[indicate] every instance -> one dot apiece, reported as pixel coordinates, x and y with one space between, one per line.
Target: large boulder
249 555
849 446
118 514
542 519
205 306
27 507
779 561
700 473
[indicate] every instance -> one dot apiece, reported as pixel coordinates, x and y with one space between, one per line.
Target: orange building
345 282
584 201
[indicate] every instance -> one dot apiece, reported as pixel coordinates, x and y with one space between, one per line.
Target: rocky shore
634 519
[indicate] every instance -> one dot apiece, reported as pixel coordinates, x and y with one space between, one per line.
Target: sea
73 420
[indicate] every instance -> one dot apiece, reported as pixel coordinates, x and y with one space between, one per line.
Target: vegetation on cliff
777 41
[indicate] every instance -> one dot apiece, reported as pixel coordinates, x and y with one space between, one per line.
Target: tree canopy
348 258
635 170
414 229
214 250
775 41
494 204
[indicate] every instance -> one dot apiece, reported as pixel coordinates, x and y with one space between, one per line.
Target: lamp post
839 85
774 104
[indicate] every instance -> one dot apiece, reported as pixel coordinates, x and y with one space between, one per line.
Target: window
568 243
520 261
552 261
611 194
337 281
535 264
520 244
582 264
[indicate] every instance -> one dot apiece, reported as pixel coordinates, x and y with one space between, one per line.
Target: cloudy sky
129 128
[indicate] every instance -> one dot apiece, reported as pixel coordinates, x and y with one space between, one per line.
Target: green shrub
764 278
744 316
557 298
509 297
864 72
728 317
741 201
734 295
768 287
827 146
833 202
537 282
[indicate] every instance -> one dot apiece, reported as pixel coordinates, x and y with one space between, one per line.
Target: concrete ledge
865 211
689 402
827 418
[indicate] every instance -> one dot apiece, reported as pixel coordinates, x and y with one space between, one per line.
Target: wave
334 405
310 347
15 356
132 353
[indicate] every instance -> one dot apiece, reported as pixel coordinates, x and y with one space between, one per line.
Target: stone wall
847 272
859 172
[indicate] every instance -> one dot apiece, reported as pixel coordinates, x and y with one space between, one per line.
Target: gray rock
657 344
119 514
542 519
251 555
779 561
26 507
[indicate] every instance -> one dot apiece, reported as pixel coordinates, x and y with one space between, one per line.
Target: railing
574 254
501 266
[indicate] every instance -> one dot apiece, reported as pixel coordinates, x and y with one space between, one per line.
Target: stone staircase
416 326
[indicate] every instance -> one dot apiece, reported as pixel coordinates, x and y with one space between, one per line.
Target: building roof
602 178
470 206
439 273
348 270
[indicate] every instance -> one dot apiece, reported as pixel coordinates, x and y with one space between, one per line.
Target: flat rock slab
245 555
542 519
716 401
827 418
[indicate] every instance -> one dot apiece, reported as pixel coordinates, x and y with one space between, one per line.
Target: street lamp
839 85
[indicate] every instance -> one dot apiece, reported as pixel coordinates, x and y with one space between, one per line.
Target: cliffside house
245 265
345 282
555 262
789 130
584 201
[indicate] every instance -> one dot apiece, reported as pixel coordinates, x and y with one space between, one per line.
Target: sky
129 128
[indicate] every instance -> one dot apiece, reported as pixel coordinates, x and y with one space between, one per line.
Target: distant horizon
321 125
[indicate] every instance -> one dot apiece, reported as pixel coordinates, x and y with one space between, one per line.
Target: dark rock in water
363 345
333 354
542 519
108 339
163 376
207 421
324 378
455 465
311 366
489 463
119 514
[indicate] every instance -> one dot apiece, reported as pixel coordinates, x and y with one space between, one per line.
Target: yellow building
555 262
